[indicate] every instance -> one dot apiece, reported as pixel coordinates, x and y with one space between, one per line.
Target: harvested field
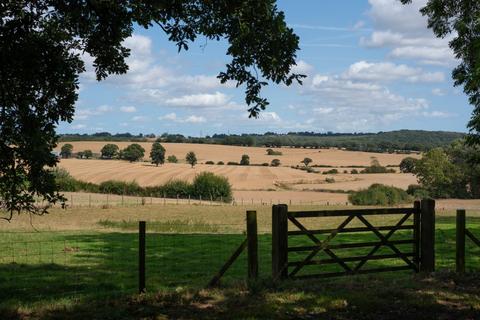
359 181
290 156
241 177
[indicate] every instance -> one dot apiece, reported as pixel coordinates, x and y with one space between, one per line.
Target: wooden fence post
427 235
279 241
460 241
252 245
416 235
141 256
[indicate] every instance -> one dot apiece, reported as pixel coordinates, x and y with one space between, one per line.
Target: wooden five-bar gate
419 219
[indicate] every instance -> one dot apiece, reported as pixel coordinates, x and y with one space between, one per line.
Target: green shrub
121 187
265 164
379 194
232 163
417 191
209 162
375 167
174 188
330 180
275 163
208 185
354 171
220 163
172 159
331 171
272 152
245 161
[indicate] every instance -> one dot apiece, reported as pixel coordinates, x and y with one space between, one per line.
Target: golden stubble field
247 181
290 156
241 177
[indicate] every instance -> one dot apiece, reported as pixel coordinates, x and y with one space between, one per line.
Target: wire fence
41 267
97 200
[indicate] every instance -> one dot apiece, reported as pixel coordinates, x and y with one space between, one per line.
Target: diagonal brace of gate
384 241
321 245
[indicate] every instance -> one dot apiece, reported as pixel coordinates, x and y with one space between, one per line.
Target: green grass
45 271
174 226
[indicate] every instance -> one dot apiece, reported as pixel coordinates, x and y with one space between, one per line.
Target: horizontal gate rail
364 271
349 245
348 230
349 259
340 213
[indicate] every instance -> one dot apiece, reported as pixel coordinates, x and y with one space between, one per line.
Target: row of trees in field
133 152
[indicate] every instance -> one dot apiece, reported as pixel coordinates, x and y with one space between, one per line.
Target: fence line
79 200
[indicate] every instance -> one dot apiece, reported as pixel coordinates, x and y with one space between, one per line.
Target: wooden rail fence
462 233
420 258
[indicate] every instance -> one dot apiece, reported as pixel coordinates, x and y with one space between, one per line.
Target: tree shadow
95 274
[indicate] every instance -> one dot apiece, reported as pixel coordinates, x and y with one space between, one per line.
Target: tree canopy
41 47
133 152
109 151
191 158
157 154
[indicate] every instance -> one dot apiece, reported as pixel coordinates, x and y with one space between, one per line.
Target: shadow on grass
442 296
94 275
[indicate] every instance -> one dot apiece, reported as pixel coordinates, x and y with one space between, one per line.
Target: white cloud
190 119
203 100
342 104
194 119
139 119
85 113
128 109
437 114
79 126
403 29
170 116
104 108
150 80
270 116
359 25
387 71
438 92
425 55
302 68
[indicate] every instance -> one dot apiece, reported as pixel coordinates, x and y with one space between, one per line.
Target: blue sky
371 66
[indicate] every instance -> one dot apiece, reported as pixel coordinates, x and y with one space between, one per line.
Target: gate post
416 235
252 245
141 256
427 235
279 241
460 241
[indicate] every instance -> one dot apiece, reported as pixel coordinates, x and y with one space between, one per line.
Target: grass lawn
92 273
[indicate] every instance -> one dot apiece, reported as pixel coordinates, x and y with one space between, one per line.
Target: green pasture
63 268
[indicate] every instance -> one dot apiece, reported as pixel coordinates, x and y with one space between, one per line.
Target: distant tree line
393 141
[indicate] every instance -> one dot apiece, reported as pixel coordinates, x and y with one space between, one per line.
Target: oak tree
41 47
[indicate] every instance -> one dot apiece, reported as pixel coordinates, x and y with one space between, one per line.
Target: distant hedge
379 194
206 185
